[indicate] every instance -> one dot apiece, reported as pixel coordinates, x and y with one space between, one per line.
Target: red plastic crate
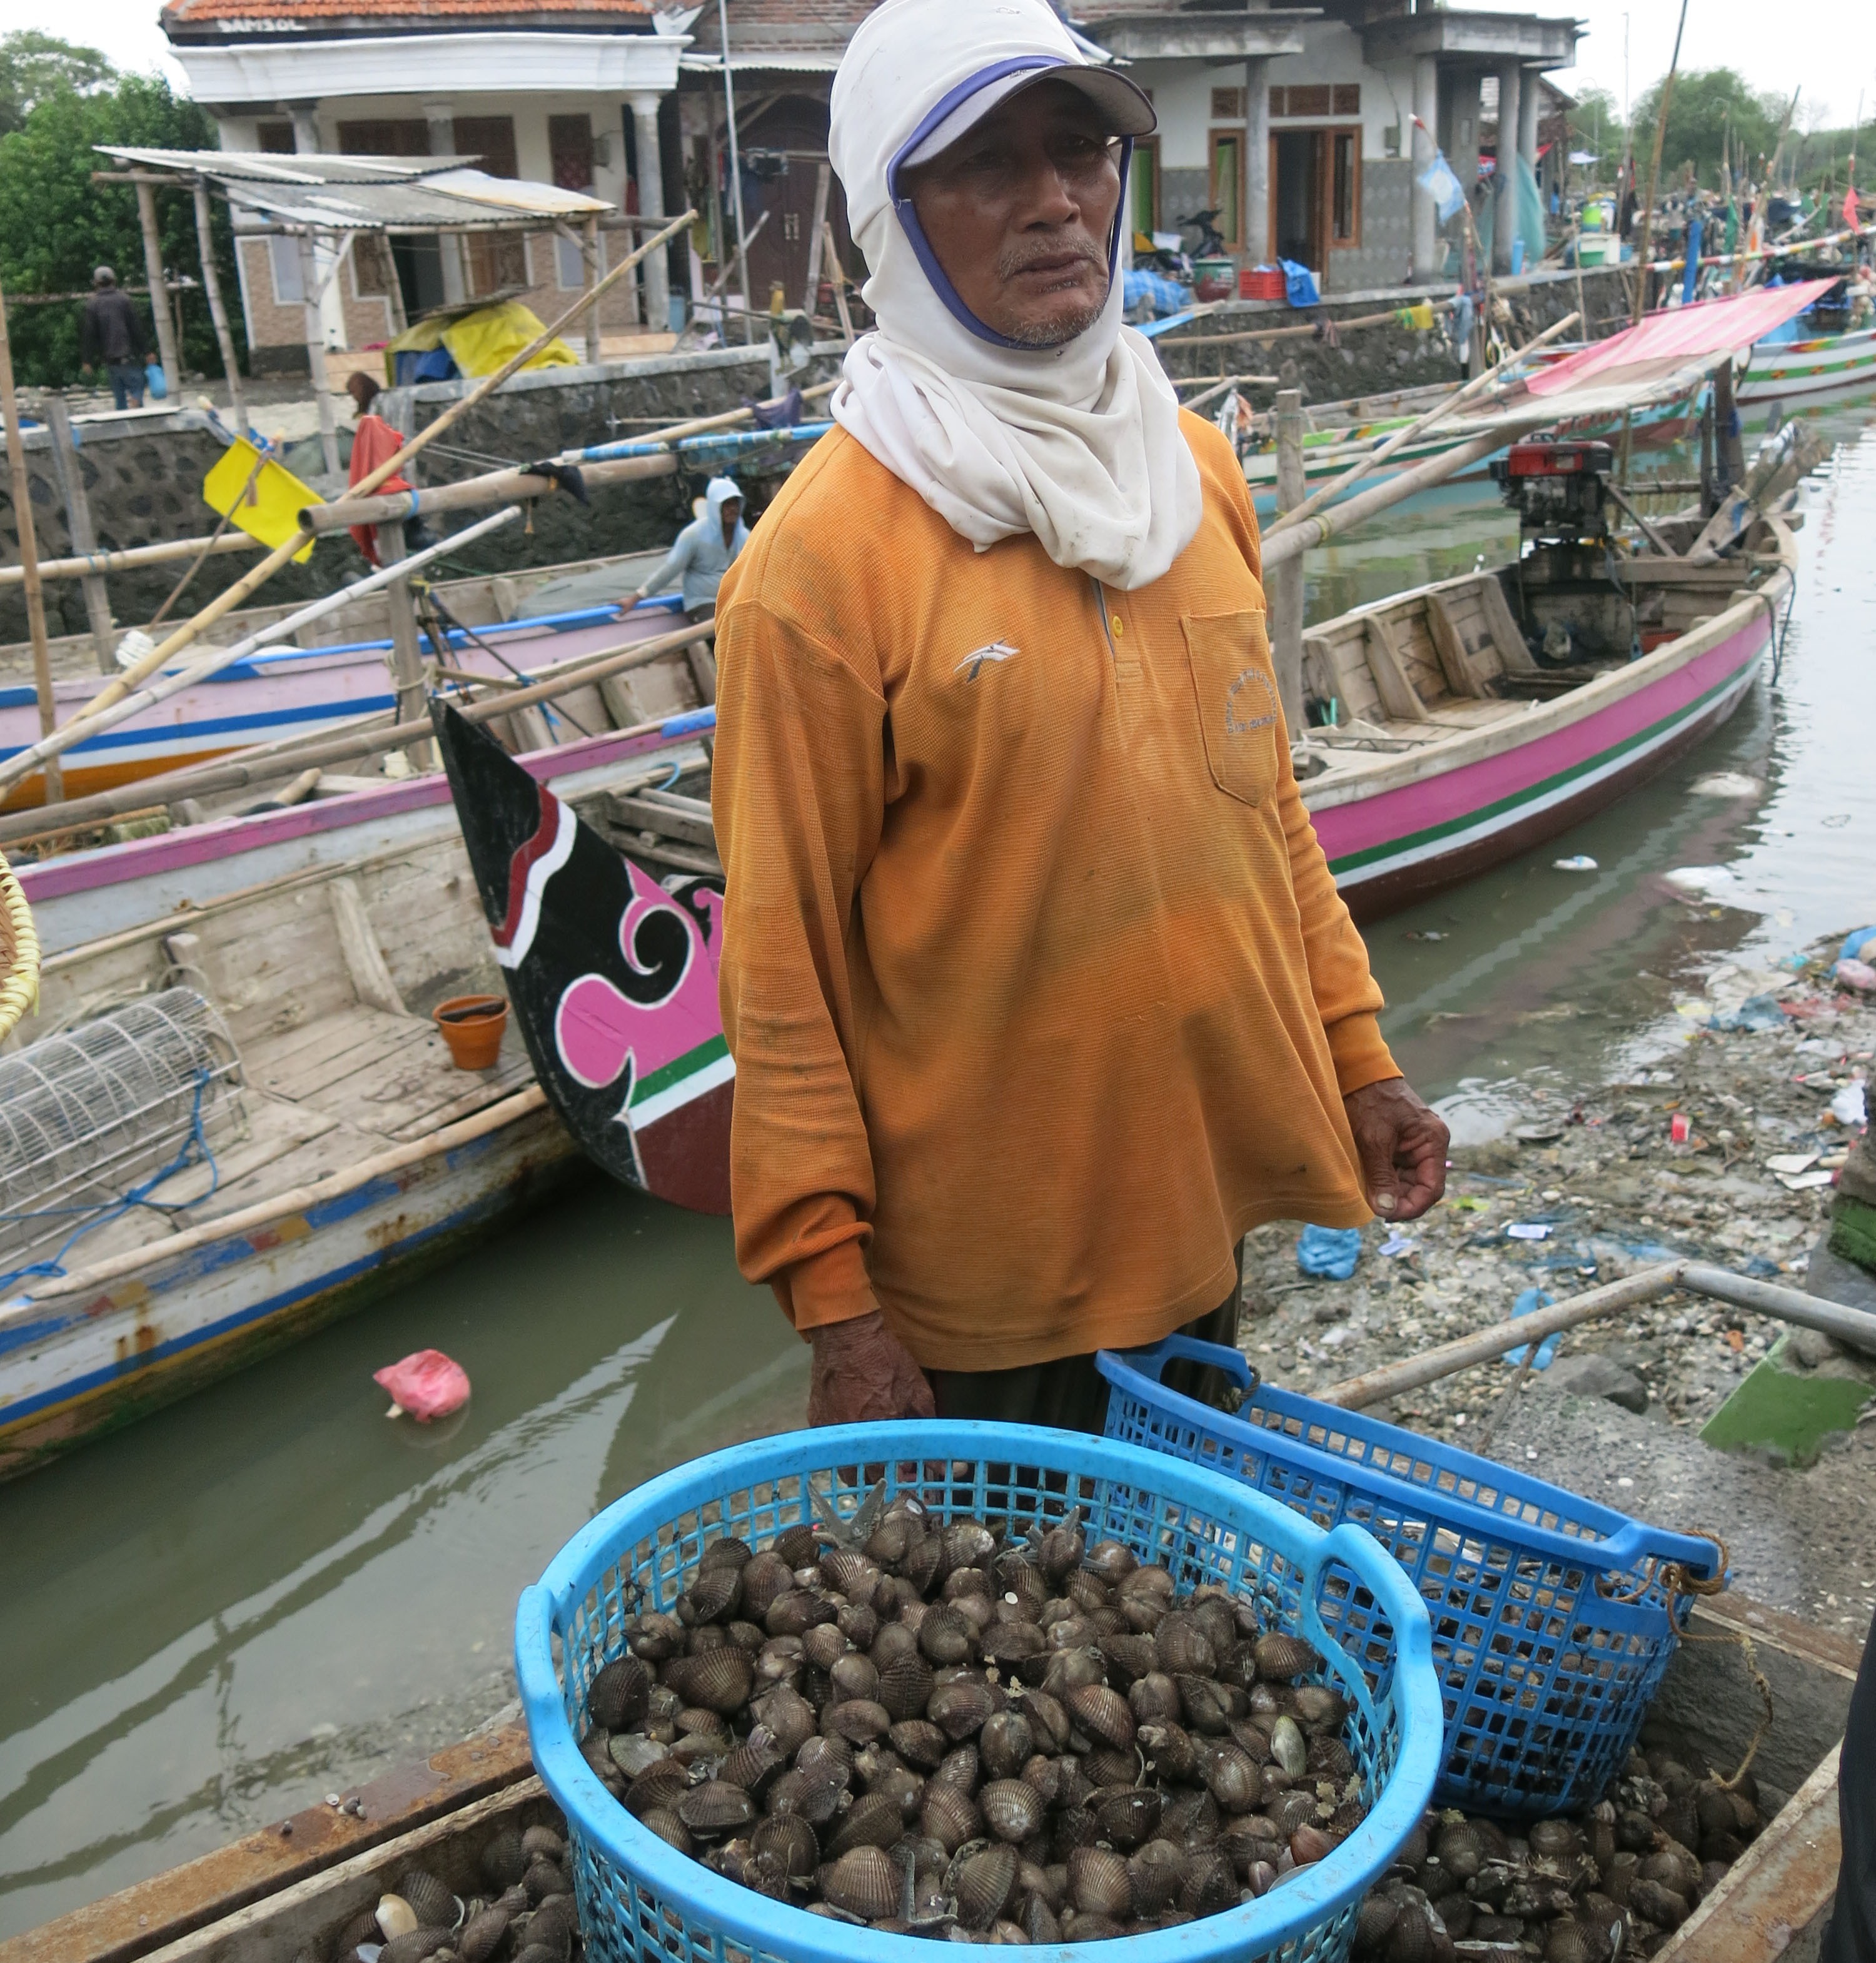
1261 283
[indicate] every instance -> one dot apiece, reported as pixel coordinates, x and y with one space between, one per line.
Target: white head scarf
1080 444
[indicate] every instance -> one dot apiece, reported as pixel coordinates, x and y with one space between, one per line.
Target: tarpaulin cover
1709 327
480 342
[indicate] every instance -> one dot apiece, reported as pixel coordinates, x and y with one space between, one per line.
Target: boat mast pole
29 558
1640 304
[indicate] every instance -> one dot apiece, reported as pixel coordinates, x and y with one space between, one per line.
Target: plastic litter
1857 975
1530 1230
1854 944
1791 1162
1679 1129
426 1384
1398 1244
1581 862
1851 1104
1534 1299
1331 1251
1698 878
1725 784
1755 1013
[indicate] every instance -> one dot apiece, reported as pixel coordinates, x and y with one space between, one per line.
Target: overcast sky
1826 45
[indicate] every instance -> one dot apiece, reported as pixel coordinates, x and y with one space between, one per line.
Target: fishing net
94 1120
1526 217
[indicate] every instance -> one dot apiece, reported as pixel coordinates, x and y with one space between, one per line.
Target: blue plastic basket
1553 1619
640 1899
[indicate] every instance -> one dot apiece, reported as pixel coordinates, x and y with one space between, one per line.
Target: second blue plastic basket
1553 1619
642 1900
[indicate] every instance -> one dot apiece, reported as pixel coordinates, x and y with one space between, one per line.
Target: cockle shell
1103 1714
620 1696
503 1863
432 1901
1211 1883
1181 1648
719 1680
1011 1810
1156 1873
859 1721
1110 1560
1005 1743
919 1742
1127 1817
944 1635
1281 1656
1288 1748
949 1816
395 1915
716 1808
872 1820
959 1709
482 1935
415 1945
982 1883
662 1821
787 1840
864 1883
1099 1883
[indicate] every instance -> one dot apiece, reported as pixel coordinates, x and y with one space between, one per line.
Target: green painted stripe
674 1072
1413 839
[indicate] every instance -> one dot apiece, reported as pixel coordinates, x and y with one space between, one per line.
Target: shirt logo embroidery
997 651
1248 696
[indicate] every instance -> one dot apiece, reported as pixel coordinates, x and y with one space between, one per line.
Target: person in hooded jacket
1038 990
704 550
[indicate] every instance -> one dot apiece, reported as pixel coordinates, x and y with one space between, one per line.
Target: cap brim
1124 106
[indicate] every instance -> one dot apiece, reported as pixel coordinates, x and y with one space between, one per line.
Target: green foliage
1595 123
56 225
1707 102
35 66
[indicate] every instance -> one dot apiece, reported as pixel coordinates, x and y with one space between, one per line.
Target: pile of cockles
963 1730
1612 1883
522 1911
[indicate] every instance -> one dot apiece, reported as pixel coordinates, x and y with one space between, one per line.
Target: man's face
1019 210
732 511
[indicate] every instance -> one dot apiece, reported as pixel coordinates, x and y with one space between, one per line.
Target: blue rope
196 1143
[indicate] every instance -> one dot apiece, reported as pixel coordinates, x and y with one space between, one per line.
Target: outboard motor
1560 491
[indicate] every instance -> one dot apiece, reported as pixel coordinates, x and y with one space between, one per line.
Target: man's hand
863 1374
1403 1146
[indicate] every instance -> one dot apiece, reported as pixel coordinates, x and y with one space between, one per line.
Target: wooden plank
316 1848
1506 637
655 815
1449 645
364 959
1399 699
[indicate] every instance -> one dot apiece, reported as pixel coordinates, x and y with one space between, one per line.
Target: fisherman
704 550
110 330
1039 991
374 442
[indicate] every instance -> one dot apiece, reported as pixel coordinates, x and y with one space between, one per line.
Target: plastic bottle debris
426 1384
1854 944
1581 862
1330 1251
1755 1013
1534 1299
1857 975
1698 878
1851 1104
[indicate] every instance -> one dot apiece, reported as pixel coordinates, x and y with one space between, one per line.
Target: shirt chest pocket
1236 687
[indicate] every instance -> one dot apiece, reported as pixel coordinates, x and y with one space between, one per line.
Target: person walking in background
704 550
374 442
110 330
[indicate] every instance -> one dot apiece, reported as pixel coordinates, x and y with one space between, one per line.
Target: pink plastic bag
426 1384
1858 975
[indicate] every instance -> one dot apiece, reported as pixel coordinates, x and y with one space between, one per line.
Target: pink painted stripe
194 845
1365 823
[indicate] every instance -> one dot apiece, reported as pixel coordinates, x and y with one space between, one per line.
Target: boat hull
86 1364
1784 371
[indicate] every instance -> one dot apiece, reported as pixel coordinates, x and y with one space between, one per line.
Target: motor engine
1558 489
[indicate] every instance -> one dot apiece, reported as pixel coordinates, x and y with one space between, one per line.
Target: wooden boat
1784 371
332 1145
288 1888
340 671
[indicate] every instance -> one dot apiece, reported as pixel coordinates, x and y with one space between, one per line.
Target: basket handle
541 1701
1152 1362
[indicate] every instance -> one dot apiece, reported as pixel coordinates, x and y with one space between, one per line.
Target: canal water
269 1592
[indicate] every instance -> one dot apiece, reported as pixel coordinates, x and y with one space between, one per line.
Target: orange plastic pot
471 1025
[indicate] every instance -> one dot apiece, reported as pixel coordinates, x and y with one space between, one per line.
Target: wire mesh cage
95 1119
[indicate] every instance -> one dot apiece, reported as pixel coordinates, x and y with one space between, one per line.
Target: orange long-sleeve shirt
1039 991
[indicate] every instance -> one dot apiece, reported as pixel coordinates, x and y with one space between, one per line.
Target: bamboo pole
1469 393
258 576
1853 1326
81 728
1641 303
1283 584
78 510
296 1199
132 556
283 759
217 313
29 549
159 292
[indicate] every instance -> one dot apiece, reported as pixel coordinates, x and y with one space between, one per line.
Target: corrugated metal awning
367 193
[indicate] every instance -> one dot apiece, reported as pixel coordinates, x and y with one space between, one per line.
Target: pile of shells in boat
948 1732
1613 1882
524 1914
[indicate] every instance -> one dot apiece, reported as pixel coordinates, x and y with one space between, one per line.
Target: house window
289 285
274 139
388 136
1310 99
497 262
490 140
1227 186
1144 179
1345 188
570 151
1348 98
1227 105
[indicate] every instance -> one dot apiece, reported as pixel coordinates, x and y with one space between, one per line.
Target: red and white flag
1849 208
